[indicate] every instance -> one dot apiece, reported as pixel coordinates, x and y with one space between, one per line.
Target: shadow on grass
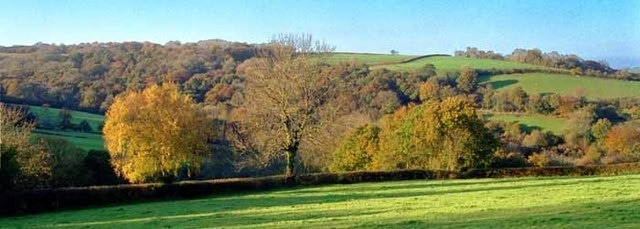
503 83
246 210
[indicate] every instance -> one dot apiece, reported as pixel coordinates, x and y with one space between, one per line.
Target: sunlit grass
532 121
453 64
590 87
582 202
365 58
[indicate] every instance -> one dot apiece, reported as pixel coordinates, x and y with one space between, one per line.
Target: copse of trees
437 135
574 63
153 134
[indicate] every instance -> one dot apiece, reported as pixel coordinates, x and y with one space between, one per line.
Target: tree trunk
290 170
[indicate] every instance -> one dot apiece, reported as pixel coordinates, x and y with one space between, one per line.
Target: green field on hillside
544 202
592 88
48 114
365 58
453 64
530 122
86 141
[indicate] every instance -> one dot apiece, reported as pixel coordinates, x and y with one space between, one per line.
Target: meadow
531 121
543 202
590 87
86 140
365 58
453 64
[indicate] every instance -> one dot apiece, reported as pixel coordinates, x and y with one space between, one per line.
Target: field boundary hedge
27 202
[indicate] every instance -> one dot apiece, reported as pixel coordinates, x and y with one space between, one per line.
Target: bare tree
287 96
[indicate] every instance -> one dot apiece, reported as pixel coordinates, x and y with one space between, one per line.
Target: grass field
453 64
365 58
592 88
548 202
530 121
86 141
52 115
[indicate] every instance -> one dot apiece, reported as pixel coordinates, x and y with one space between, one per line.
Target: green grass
365 58
550 202
51 115
86 141
592 88
530 122
453 64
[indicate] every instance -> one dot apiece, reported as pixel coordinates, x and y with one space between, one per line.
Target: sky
601 30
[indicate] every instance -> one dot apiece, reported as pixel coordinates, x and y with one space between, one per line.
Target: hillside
549 202
530 121
47 116
590 87
452 64
365 58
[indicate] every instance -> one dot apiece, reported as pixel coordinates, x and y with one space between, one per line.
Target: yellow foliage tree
445 135
154 133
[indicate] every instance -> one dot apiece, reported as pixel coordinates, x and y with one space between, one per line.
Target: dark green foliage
84 126
9 168
99 170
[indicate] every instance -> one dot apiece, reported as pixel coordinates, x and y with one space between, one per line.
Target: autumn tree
446 135
31 166
154 133
288 95
468 79
356 150
623 143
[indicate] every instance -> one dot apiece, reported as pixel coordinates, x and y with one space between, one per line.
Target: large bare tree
287 96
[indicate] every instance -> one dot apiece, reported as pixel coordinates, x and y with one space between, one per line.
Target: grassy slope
542 122
558 202
365 58
453 64
87 141
592 88
51 115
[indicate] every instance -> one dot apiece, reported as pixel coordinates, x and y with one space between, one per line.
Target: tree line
574 63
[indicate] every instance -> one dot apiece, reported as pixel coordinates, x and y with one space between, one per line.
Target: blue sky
594 29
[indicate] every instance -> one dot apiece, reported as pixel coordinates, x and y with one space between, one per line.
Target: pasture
544 202
453 64
365 58
590 87
84 140
531 121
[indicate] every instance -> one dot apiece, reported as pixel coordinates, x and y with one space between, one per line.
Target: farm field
591 88
453 64
86 141
365 58
48 114
543 202
531 121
